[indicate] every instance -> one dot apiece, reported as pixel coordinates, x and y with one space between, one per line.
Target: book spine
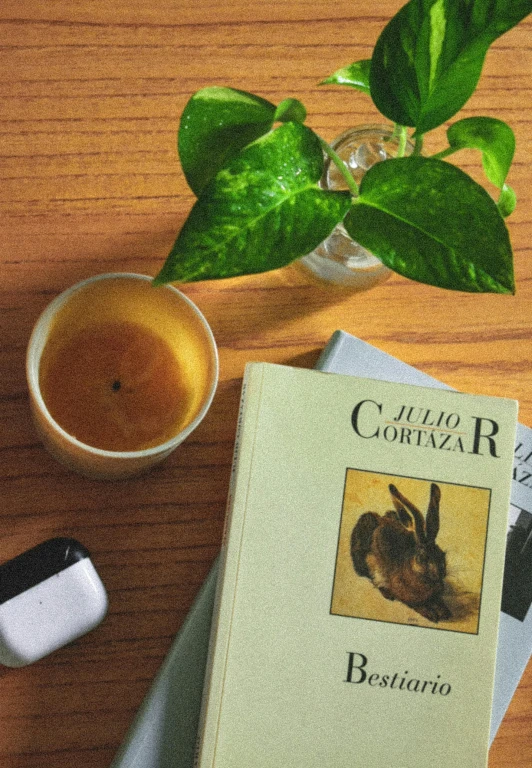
228 568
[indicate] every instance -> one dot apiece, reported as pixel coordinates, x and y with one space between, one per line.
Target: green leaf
261 211
291 110
492 137
429 221
429 57
507 200
215 125
355 75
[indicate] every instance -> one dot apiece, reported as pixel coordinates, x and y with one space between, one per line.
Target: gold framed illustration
411 551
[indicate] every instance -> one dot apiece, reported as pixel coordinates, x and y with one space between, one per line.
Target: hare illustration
397 551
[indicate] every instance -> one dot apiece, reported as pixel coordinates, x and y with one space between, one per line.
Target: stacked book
356 605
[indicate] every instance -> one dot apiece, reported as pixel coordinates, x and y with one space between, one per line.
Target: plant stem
396 133
402 136
444 153
342 167
418 146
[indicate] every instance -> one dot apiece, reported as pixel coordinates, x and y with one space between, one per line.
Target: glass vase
340 260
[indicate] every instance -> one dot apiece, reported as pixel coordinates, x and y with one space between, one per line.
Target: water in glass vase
339 260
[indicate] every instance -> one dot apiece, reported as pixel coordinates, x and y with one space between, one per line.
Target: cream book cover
358 600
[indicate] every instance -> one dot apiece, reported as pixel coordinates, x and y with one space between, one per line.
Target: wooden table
91 94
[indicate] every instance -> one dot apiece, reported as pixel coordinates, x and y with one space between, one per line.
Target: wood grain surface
90 98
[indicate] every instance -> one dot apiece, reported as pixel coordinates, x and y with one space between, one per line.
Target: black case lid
37 564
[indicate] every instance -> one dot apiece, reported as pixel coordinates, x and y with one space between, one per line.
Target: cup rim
32 370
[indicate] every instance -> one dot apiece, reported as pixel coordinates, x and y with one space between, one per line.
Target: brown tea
124 367
116 386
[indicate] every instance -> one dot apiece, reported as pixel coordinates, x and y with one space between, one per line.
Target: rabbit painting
397 551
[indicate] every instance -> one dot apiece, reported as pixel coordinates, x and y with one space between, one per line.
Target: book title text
425 428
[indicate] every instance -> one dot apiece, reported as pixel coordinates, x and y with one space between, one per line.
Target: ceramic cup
119 373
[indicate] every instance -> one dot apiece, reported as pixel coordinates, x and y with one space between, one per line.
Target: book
163 732
346 353
360 580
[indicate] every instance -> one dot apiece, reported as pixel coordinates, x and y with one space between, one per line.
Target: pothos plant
255 167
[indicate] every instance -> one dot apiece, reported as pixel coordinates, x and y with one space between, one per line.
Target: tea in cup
120 372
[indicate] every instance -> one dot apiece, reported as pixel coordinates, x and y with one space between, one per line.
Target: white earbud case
49 596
